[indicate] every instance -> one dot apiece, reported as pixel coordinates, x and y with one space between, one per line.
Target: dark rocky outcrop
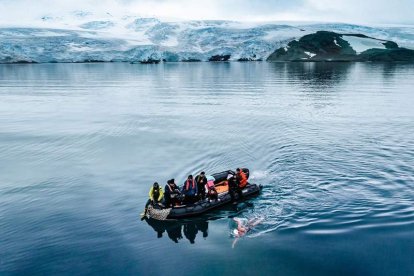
331 46
191 60
150 61
399 54
315 47
91 61
244 59
391 45
219 58
251 58
24 62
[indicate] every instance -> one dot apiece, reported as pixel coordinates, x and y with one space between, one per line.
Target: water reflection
317 83
320 74
390 71
176 229
191 228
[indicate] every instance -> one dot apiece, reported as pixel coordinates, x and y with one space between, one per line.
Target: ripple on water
332 145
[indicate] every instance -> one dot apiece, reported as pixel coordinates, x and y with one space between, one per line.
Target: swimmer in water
243 227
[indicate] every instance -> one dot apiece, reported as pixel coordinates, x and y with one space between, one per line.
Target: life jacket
171 189
156 194
242 179
187 184
210 185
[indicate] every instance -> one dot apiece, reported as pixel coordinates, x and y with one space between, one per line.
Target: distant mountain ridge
150 40
331 46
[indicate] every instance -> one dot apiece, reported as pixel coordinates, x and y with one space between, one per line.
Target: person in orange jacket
241 178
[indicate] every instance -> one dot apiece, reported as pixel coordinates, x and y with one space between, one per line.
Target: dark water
333 145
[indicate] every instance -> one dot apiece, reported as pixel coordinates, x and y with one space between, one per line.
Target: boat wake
259 175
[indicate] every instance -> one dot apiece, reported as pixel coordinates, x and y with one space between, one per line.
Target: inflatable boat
203 206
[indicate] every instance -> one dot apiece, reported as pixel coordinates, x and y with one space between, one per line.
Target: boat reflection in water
176 229
190 228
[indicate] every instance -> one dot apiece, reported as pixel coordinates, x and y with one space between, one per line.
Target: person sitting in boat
190 190
171 194
241 178
234 188
156 195
201 181
211 190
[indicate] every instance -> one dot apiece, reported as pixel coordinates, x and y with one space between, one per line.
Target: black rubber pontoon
205 206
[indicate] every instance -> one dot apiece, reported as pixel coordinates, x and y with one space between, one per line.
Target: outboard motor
222 176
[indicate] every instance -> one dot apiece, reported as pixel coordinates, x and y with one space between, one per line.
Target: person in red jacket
190 190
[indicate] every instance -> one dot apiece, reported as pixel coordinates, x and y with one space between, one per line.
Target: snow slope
361 44
81 36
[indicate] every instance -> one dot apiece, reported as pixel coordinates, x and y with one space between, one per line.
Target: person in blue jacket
190 190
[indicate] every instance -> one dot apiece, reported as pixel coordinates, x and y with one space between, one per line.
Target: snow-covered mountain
82 37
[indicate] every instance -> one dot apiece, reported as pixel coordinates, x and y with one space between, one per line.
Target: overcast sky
352 11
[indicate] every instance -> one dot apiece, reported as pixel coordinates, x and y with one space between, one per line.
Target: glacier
128 38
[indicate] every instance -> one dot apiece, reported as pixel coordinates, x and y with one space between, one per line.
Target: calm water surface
333 145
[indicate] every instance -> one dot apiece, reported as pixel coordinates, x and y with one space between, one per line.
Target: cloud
362 11
352 11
